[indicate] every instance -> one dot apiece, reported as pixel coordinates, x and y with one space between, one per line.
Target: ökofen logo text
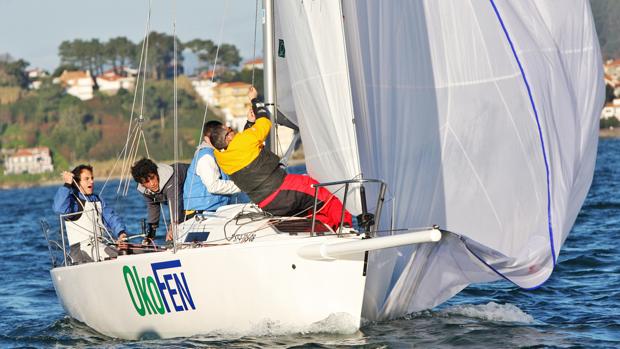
165 291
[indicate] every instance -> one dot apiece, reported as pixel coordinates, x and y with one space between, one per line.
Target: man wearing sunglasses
257 171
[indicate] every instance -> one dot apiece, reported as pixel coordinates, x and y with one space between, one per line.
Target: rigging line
217 51
101 226
86 198
163 214
125 165
146 148
80 190
146 56
130 157
277 131
128 160
349 90
133 103
109 175
174 220
540 134
134 155
204 117
254 45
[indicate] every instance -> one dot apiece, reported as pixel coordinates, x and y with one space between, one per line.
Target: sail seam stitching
454 84
478 179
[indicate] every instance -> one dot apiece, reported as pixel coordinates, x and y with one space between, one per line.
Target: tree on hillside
85 55
95 51
161 55
246 76
120 52
206 51
606 14
228 56
203 49
13 73
72 54
71 132
61 68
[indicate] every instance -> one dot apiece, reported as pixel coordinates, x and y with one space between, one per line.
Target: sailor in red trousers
257 171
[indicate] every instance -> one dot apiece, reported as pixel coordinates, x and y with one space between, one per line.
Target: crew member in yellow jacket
258 172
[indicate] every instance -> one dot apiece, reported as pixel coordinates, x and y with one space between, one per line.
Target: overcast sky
33 29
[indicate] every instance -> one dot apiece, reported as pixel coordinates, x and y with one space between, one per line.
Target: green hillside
97 129
607 19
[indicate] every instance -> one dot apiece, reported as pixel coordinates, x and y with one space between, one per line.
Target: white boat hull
221 289
245 275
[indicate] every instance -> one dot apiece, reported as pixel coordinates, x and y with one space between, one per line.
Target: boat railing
373 221
54 244
58 243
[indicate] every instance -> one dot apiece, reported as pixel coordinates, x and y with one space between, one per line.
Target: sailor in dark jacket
257 171
160 183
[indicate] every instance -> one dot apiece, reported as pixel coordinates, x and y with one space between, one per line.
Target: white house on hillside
34 76
29 160
611 110
204 88
77 83
110 82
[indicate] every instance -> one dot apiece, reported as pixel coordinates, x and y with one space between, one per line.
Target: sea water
579 306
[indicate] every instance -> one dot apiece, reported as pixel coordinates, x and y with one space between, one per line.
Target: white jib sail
314 91
481 115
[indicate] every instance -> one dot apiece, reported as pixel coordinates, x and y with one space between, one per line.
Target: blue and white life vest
195 194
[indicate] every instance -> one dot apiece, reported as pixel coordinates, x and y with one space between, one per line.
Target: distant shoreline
58 182
603 134
609 133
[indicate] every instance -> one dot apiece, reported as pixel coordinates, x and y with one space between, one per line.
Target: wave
491 311
337 323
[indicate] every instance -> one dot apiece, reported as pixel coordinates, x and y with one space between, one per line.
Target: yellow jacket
244 148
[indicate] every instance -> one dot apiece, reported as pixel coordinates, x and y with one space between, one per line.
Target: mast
269 86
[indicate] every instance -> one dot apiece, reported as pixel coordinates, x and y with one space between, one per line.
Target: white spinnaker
312 78
482 116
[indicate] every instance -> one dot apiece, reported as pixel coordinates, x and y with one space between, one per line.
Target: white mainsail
482 117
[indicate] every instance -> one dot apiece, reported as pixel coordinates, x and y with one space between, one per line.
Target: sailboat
478 121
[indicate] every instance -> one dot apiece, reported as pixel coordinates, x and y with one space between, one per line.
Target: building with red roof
253 64
29 160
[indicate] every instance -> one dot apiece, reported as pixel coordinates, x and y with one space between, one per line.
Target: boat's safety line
542 140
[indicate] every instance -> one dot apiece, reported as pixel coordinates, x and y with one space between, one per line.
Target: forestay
482 117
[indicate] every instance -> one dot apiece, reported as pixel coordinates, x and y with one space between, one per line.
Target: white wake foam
338 323
491 311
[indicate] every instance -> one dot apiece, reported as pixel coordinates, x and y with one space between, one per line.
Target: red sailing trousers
295 197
